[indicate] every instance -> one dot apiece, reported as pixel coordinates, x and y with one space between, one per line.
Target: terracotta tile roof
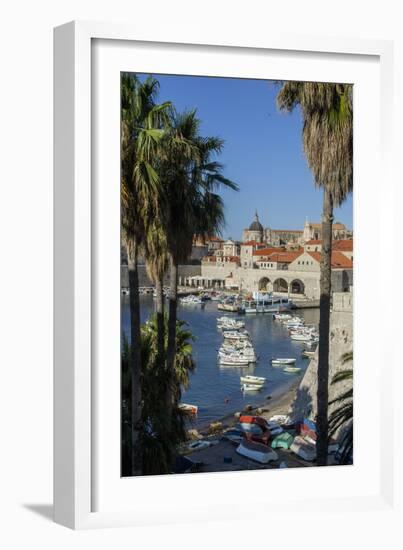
285 257
209 259
313 241
253 243
339 260
267 251
343 245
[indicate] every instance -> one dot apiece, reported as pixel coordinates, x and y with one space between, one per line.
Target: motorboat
282 316
236 335
227 323
232 361
301 337
249 379
192 300
282 361
292 369
307 353
257 452
251 387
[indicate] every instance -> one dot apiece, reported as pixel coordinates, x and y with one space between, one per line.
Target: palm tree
190 178
140 135
160 444
328 144
342 416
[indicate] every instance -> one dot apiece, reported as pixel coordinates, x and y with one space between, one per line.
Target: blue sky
262 153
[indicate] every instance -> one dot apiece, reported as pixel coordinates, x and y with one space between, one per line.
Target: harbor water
216 389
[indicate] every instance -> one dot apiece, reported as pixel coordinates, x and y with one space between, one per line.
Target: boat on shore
257 452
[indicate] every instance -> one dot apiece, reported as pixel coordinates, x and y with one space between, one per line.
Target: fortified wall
341 342
144 280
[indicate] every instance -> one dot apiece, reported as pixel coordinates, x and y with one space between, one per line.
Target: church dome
256 225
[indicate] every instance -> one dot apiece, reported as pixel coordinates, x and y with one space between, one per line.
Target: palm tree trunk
159 307
324 329
135 358
173 304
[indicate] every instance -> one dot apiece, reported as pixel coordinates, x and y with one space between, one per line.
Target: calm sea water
216 389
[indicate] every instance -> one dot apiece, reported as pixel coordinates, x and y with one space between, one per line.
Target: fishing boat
257 452
282 361
190 409
292 369
249 357
249 379
251 387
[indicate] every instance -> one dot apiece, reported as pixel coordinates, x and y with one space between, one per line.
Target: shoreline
279 403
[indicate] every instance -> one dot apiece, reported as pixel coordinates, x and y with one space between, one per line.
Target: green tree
191 179
341 419
159 444
141 123
327 136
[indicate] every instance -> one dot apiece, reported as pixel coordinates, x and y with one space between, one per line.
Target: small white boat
191 300
292 369
307 353
280 419
249 379
283 361
232 361
190 409
236 335
301 337
257 452
251 387
282 316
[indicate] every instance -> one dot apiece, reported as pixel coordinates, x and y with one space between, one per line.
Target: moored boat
251 387
292 369
257 452
249 379
283 361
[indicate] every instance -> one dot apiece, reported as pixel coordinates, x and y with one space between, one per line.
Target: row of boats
237 348
298 330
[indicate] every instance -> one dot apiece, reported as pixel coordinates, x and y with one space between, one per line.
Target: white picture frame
84 496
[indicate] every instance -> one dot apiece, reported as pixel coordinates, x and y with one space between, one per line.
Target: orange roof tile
313 241
339 260
343 245
267 251
285 257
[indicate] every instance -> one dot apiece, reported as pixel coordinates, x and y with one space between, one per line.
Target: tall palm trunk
173 304
159 308
135 357
324 328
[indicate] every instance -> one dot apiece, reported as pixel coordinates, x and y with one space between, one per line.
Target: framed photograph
217 213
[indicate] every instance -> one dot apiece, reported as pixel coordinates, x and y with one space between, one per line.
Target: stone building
313 231
255 232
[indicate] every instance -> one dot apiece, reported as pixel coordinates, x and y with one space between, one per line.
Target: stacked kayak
282 441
